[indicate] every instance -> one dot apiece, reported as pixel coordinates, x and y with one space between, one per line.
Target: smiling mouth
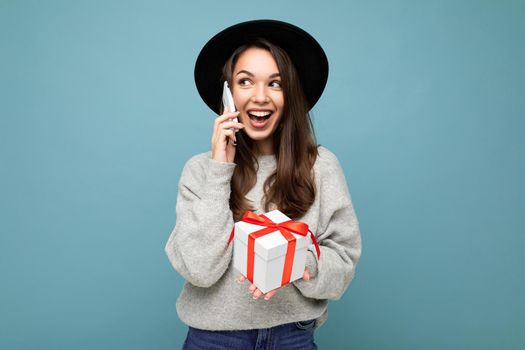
259 119
260 116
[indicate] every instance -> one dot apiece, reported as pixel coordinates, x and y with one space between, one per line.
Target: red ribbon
285 228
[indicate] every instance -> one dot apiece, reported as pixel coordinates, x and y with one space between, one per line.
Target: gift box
270 249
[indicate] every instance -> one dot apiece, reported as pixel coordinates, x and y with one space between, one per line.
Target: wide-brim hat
305 52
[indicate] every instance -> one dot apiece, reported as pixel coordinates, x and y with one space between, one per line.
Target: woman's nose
260 94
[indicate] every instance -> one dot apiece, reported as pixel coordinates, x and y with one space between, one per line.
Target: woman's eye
243 82
276 84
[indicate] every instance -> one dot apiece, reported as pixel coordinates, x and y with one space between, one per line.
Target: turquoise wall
424 108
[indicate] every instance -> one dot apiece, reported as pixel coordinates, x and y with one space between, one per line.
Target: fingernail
266 298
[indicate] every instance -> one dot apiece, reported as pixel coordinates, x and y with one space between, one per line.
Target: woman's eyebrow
251 74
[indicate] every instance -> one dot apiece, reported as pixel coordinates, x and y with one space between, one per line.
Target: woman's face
258 95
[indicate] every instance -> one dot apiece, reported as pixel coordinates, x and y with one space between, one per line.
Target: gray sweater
212 298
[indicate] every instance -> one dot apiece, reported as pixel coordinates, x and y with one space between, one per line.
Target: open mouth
259 116
259 119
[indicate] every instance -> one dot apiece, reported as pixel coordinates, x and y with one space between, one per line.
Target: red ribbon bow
285 228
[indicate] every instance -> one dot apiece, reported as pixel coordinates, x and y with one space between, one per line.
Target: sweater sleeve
338 236
197 245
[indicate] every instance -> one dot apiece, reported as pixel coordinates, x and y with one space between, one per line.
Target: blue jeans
289 336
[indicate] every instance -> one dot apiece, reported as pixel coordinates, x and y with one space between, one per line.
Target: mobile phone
227 101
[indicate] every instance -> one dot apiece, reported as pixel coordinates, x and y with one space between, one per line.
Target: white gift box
269 253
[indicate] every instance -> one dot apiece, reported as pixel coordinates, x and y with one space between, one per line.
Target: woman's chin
258 135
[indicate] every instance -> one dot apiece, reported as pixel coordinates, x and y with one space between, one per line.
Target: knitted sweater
211 298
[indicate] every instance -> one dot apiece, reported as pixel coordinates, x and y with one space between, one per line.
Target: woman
276 72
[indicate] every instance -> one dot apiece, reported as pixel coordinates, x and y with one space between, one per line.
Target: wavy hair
291 187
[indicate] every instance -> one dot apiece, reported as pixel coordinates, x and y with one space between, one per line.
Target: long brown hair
291 187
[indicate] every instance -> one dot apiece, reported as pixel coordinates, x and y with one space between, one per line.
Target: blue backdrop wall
424 108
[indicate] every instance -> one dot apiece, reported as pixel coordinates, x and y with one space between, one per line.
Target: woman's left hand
256 293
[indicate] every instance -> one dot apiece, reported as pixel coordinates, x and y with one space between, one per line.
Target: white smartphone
227 101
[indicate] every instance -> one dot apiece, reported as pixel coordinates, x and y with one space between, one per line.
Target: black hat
305 52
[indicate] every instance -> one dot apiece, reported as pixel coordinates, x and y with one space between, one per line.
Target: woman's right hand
223 138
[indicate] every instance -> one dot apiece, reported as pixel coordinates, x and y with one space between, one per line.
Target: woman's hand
223 138
257 293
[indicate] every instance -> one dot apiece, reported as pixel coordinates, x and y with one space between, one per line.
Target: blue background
424 108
